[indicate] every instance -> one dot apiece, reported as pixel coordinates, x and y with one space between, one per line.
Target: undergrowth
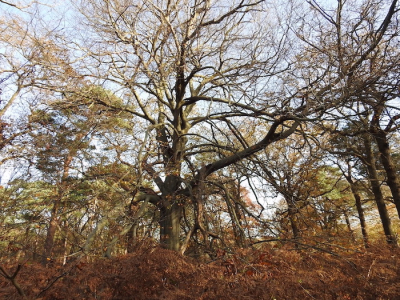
155 273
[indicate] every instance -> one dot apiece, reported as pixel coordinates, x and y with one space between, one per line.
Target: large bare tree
201 74
196 72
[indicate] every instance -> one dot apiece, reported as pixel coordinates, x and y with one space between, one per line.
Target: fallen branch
5 274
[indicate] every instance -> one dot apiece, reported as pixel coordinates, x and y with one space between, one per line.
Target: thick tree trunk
170 217
376 190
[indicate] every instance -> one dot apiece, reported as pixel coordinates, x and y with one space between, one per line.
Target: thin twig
308 293
369 271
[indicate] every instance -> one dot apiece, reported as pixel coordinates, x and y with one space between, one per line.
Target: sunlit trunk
170 217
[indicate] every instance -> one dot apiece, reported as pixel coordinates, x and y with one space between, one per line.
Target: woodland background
199 149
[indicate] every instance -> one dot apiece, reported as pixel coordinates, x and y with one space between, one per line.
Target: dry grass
155 273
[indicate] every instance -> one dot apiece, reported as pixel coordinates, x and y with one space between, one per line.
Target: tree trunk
376 190
132 234
388 165
235 215
359 207
347 219
132 238
51 232
170 217
292 211
130 230
65 242
361 216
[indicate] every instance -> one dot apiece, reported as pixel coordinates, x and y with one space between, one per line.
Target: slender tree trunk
132 234
361 216
51 232
351 231
236 226
292 211
35 249
359 207
388 165
65 242
132 238
240 237
128 230
235 215
53 224
376 190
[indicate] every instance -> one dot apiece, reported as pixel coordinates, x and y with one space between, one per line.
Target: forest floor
155 273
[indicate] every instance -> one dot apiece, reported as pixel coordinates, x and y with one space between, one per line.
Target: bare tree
200 72
186 67
212 83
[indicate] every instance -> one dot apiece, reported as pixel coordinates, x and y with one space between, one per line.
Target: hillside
155 273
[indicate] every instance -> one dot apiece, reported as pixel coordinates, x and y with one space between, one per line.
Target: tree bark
348 223
359 207
292 211
65 242
240 237
376 190
53 224
132 238
170 217
387 162
361 216
51 232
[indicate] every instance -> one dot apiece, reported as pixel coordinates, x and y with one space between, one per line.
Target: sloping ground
154 273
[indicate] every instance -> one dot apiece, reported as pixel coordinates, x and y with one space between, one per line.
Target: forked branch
5 274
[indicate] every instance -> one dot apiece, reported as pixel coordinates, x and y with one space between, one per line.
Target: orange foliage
155 273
